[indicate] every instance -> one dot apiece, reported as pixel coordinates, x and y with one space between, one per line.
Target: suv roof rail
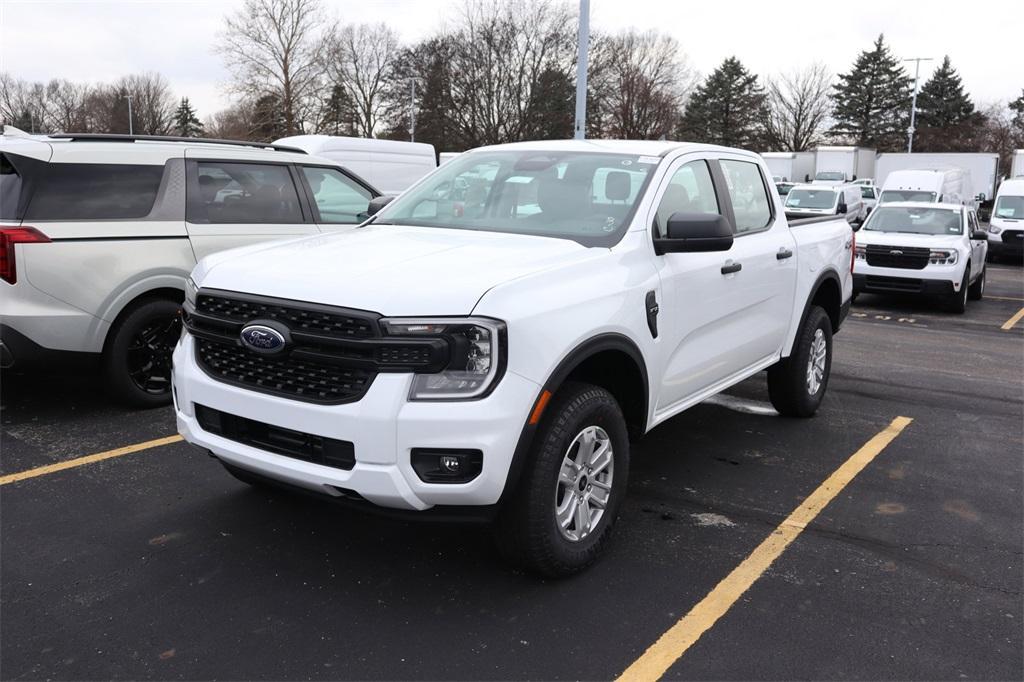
118 137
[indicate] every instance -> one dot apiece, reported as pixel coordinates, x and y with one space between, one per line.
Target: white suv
98 234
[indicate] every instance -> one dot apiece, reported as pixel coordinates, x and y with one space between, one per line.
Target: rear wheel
560 517
977 290
137 361
796 385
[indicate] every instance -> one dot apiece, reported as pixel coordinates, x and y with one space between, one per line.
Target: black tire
853 297
958 301
977 290
527 530
788 380
137 358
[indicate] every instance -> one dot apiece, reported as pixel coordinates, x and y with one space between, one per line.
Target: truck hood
865 237
391 269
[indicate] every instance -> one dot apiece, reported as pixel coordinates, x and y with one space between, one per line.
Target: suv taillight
9 236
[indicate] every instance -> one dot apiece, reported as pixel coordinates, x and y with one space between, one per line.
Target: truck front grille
1015 237
907 257
309 317
894 284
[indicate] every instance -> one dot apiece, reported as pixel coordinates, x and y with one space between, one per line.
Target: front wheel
560 517
137 360
977 290
796 385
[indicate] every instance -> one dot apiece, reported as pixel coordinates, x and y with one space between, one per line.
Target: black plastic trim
829 274
118 137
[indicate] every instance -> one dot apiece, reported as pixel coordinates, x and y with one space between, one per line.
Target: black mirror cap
695 233
841 208
377 203
979 234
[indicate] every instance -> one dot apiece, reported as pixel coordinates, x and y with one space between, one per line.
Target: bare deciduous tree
797 108
640 83
67 111
360 63
273 48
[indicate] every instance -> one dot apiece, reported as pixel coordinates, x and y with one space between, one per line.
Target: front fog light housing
475 359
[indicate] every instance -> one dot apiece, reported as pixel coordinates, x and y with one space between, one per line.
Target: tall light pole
913 101
131 130
412 109
581 70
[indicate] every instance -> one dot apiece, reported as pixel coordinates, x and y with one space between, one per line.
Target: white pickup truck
488 343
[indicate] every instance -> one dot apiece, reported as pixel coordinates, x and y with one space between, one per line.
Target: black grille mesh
909 257
298 319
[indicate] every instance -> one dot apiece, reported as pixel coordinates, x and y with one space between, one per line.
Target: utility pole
131 130
581 70
412 112
913 101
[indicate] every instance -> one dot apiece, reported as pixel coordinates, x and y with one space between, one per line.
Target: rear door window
749 197
94 191
243 193
338 198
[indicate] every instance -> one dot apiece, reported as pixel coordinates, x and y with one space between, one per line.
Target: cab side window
339 199
748 194
689 191
240 193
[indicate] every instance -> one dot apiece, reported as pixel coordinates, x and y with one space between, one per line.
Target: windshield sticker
1005 212
793 202
649 159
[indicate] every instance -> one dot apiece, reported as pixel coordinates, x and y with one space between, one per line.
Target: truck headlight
476 355
994 230
860 252
942 257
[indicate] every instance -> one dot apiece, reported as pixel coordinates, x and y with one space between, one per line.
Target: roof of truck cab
638 147
920 204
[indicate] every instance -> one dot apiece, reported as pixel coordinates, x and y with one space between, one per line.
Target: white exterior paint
982 167
853 162
794 167
553 294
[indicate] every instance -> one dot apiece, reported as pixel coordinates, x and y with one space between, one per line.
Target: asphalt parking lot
158 565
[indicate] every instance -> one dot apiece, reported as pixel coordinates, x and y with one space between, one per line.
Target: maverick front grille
908 257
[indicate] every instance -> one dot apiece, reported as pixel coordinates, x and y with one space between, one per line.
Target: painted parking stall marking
1010 323
674 643
88 459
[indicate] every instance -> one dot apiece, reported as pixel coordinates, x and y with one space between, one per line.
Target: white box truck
790 166
1017 168
982 167
840 165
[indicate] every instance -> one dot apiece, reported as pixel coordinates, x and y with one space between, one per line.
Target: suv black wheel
137 360
796 385
977 290
958 301
562 513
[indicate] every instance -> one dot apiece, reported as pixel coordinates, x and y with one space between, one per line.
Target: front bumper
887 284
383 427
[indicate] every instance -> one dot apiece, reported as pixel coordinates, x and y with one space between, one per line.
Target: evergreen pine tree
340 116
946 119
872 101
551 114
1017 107
186 123
726 108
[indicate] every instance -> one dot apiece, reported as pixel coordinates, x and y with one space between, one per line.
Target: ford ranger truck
489 343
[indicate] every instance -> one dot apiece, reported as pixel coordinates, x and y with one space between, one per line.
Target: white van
389 165
1007 223
804 201
937 186
445 157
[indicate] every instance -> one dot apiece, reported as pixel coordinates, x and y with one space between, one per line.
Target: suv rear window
95 191
10 189
243 193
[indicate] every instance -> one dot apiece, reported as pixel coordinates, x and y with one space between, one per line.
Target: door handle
730 268
783 254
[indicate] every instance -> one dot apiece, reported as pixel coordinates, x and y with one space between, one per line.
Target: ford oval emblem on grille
262 339
895 252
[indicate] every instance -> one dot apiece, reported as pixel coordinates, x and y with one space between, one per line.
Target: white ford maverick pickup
488 343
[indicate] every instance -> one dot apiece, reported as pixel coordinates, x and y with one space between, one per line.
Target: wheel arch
612 361
168 293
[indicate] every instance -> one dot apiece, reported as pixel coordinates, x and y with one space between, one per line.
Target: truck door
235 202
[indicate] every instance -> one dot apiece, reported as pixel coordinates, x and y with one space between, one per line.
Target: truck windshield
587 197
914 220
891 195
831 176
811 198
1011 207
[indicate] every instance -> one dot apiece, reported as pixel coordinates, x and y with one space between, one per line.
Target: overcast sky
92 40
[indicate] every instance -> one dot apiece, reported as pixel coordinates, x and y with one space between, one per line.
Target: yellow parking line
1008 325
673 644
88 459
1005 298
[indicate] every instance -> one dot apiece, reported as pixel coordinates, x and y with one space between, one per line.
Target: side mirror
980 197
695 233
841 209
979 234
377 203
